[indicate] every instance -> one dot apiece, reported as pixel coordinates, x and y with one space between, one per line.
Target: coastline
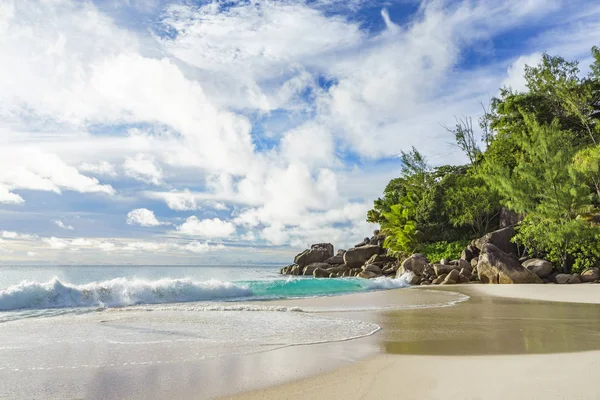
532 339
433 342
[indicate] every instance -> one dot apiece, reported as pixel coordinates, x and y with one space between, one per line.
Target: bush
572 245
438 250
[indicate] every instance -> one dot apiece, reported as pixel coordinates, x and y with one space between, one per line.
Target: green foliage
540 158
471 203
572 245
586 163
438 250
543 181
415 206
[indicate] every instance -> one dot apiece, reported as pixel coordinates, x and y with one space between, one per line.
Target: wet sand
489 347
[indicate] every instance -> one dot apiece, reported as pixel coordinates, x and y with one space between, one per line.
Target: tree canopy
537 154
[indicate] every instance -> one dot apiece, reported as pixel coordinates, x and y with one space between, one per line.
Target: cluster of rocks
366 261
489 259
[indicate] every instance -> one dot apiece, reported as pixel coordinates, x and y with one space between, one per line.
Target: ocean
74 317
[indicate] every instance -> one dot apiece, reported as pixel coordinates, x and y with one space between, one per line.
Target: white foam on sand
116 339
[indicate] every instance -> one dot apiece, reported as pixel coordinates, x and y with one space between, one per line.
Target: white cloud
31 254
142 167
200 248
16 235
32 169
142 217
6 197
56 243
62 225
208 228
515 73
102 168
180 201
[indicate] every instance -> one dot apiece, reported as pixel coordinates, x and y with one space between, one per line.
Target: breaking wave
115 293
123 292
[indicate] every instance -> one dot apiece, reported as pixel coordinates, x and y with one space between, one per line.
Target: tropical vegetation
535 156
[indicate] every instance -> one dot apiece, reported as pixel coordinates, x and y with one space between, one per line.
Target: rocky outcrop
483 261
496 266
319 261
541 268
500 238
358 256
415 264
317 253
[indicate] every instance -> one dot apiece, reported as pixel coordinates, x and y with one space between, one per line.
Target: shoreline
427 336
456 364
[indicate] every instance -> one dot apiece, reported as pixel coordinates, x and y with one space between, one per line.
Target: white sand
524 376
546 376
581 293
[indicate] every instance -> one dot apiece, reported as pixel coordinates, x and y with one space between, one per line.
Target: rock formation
490 259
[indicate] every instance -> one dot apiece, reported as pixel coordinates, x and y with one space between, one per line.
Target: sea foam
116 293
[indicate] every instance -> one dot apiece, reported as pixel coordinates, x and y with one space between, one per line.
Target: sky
239 132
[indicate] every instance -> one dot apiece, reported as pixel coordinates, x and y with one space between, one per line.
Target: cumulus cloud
142 167
208 228
142 217
102 168
33 169
62 225
7 197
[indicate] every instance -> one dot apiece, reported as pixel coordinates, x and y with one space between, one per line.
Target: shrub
438 250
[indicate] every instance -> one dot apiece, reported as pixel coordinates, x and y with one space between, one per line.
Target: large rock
309 269
500 238
296 270
321 273
541 268
469 253
441 269
338 268
372 268
567 278
463 264
367 275
452 277
286 270
590 275
317 253
357 256
415 264
495 266
380 258
335 260
466 273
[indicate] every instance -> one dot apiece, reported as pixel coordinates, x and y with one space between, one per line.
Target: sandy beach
451 342
506 341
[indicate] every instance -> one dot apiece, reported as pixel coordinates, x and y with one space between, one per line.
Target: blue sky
183 132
